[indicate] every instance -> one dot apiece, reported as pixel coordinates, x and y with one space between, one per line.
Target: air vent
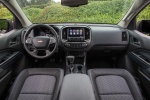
87 34
124 36
64 34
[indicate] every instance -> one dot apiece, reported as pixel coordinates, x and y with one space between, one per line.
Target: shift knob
70 59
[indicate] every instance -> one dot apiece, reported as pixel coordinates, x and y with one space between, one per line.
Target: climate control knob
84 45
67 45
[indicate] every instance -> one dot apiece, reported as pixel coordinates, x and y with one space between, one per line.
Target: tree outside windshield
97 11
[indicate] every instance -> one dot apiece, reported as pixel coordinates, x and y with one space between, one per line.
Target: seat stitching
36 93
115 94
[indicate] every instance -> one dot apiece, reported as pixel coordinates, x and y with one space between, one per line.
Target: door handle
135 41
12 43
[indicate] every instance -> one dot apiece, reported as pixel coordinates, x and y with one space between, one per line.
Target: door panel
139 53
143 39
142 58
10 53
10 48
11 40
4 82
7 59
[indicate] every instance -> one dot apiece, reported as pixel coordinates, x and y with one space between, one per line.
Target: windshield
97 11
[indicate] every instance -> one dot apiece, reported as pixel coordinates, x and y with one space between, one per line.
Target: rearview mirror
4 26
74 3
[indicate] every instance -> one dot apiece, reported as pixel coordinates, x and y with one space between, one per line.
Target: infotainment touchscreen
76 32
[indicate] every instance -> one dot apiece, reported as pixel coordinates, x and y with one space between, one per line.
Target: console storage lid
77 87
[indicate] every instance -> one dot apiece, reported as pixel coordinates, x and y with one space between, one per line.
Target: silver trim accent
40 41
140 58
144 75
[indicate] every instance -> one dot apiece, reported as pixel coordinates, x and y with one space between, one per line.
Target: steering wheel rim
47 51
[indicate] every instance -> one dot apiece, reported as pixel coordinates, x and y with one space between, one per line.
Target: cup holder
80 69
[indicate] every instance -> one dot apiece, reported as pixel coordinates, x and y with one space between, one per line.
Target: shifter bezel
77 55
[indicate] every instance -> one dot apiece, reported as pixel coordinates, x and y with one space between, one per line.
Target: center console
75 40
76 87
76 37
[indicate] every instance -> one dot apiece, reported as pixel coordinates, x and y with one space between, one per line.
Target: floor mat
99 63
54 63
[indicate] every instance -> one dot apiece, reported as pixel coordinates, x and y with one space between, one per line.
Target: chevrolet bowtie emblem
40 41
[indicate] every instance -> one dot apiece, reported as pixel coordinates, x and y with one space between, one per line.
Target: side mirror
144 26
5 26
74 3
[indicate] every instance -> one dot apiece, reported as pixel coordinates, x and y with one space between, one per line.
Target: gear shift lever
71 60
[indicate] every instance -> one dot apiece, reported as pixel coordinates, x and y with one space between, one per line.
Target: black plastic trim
12 59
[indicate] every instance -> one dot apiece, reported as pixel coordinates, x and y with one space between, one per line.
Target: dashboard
84 38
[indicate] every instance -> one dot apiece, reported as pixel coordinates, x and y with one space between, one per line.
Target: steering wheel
40 43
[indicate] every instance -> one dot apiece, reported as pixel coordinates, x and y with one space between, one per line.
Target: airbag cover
41 42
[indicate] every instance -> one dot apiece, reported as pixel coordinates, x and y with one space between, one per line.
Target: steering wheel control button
28 41
52 40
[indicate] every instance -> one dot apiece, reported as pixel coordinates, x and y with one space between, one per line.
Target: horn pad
41 42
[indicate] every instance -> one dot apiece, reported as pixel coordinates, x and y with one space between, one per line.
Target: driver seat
37 84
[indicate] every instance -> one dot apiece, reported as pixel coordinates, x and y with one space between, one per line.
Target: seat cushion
114 84
37 84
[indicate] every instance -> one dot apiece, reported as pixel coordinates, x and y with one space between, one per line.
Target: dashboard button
78 45
82 39
77 39
72 39
67 45
69 39
84 45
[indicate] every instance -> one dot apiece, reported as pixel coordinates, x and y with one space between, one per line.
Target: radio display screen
76 32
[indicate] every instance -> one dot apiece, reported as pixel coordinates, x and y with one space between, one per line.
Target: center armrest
77 87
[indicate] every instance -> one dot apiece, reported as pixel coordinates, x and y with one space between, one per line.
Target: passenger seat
114 84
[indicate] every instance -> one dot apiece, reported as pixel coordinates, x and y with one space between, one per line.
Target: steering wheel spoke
34 52
48 52
52 40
